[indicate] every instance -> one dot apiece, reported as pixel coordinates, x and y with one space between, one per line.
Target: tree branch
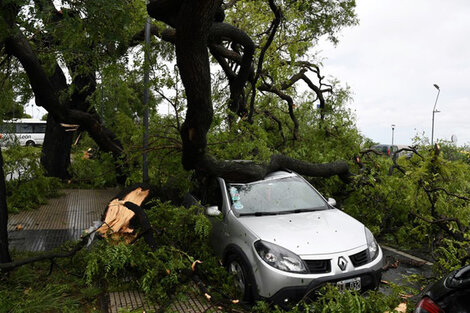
247 171
49 256
224 31
274 25
290 104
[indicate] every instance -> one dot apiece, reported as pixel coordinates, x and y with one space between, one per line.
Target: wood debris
401 308
118 216
193 266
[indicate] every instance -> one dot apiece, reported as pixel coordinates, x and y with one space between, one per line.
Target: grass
32 288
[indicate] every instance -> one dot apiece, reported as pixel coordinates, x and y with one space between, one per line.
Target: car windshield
277 196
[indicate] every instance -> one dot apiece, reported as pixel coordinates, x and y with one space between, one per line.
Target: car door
215 196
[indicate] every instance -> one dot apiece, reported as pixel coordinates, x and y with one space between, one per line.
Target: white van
26 132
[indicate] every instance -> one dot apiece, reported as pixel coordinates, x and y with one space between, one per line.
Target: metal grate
318 266
192 301
129 300
360 258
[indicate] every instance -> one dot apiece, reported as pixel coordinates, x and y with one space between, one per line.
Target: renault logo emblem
342 263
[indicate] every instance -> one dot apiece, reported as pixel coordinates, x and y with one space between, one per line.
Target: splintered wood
118 216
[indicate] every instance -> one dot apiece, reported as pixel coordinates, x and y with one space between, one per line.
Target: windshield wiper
284 212
259 213
301 210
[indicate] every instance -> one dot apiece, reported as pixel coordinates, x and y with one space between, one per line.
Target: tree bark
4 253
193 24
55 154
248 171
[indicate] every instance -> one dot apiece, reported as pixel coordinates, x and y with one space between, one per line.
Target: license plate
349 284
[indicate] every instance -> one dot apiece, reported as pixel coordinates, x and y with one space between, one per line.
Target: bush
27 187
424 205
182 239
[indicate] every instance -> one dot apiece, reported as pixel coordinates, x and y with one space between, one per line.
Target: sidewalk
59 220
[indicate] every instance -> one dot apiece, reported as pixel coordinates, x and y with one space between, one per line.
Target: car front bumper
284 288
370 279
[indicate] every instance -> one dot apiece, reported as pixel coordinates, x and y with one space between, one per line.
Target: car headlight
279 257
372 246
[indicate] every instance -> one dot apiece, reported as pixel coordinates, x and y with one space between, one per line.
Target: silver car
281 239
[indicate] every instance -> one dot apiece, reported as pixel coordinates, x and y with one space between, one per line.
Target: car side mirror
213 211
332 202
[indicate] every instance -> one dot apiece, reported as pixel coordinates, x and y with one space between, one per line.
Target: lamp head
437 87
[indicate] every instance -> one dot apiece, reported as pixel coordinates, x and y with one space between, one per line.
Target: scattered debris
193 266
391 263
401 308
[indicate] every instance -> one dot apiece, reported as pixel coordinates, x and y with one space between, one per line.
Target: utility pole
434 111
145 170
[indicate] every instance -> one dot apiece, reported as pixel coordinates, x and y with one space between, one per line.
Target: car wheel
30 143
241 276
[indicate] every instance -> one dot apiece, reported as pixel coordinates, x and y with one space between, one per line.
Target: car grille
359 259
318 266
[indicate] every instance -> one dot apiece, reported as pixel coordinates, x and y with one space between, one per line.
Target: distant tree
14 111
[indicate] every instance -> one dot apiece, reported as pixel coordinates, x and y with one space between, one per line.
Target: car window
24 128
275 196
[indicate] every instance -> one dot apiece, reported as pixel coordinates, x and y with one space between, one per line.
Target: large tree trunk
55 154
4 254
194 21
47 96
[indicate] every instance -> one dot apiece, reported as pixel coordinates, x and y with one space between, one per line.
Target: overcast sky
391 61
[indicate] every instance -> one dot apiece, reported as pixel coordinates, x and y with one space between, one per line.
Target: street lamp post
393 131
434 111
145 171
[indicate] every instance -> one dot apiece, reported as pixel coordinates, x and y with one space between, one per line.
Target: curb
406 255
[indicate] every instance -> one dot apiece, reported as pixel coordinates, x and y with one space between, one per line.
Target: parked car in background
26 132
451 294
387 150
281 239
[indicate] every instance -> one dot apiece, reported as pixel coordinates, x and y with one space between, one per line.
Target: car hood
319 232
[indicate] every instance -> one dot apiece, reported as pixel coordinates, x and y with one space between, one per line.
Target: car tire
30 143
242 277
